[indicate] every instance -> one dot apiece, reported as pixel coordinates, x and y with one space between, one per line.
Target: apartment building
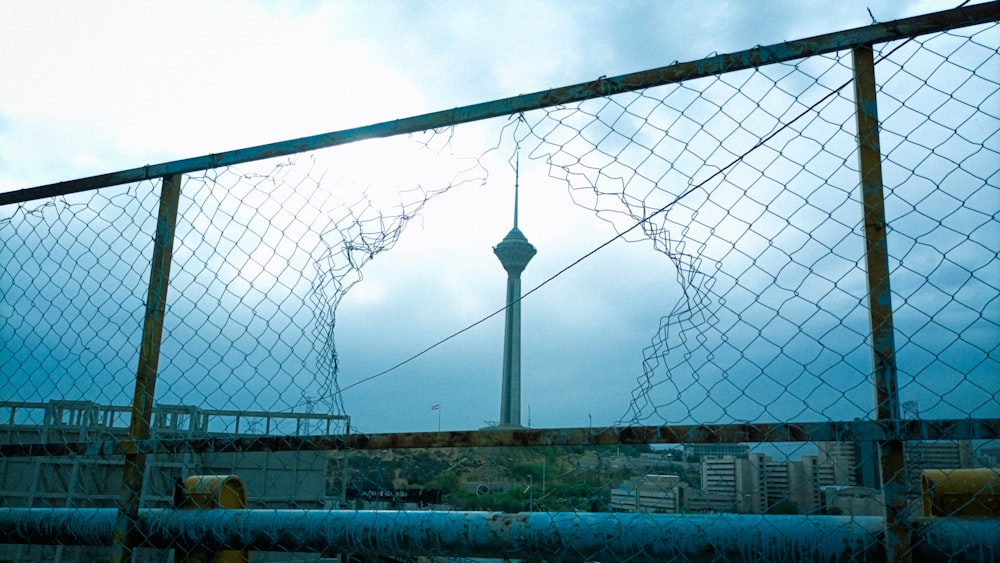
759 483
650 493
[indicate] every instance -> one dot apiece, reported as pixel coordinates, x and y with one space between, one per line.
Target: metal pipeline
548 536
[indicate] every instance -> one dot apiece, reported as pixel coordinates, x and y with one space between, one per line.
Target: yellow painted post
125 535
202 492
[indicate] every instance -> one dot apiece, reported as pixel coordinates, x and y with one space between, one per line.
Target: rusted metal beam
887 404
541 536
145 380
678 72
856 430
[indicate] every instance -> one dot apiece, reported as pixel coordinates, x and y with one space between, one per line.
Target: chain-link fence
828 211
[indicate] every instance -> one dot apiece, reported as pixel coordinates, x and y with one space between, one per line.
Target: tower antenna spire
517 165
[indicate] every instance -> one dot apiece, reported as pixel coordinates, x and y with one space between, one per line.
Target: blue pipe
548 536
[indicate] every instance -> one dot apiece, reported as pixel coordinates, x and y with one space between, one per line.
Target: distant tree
444 482
521 471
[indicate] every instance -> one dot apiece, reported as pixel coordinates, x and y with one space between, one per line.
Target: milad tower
514 252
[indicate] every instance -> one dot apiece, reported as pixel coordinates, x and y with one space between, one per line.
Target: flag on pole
436 407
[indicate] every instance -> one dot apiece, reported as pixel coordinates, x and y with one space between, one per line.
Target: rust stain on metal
887 404
865 430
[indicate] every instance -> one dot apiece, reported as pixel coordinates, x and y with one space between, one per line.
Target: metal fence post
893 478
145 380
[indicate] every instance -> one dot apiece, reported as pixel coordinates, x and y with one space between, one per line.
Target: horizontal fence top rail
679 72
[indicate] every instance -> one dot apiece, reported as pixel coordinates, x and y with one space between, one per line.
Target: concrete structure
650 494
514 252
819 475
799 482
732 482
856 463
853 501
697 451
844 457
272 479
758 483
940 454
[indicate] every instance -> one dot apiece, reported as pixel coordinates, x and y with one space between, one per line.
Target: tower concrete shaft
514 252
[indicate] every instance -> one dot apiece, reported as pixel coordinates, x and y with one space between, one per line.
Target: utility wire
622 234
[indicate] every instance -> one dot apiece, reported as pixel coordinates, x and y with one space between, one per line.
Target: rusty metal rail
547 536
856 430
604 86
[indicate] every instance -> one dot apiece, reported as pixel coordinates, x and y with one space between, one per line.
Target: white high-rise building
843 456
733 479
649 493
759 483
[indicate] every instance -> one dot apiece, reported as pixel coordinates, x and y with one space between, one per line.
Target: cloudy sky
94 87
